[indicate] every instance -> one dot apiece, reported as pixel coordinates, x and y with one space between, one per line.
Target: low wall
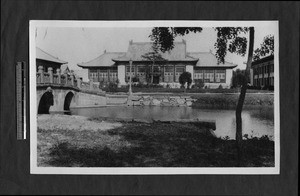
156 100
87 100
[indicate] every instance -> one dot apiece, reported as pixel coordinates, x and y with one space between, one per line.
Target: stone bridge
56 92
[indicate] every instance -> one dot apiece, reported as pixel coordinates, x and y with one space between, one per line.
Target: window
220 75
180 69
128 69
209 75
198 74
141 69
156 69
169 69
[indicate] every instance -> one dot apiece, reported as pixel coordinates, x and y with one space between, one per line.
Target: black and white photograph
154 97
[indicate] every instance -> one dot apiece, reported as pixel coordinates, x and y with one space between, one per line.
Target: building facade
262 72
115 66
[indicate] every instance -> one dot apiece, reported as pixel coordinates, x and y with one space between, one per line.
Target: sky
76 44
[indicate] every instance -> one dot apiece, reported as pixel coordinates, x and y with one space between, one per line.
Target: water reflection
256 122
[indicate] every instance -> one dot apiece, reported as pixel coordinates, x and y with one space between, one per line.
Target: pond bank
229 101
197 100
72 141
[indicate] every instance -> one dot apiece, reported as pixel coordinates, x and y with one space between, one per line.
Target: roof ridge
100 56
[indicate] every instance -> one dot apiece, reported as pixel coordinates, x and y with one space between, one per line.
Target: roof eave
217 66
62 62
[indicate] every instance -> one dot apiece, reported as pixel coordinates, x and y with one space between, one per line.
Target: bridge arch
68 99
46 101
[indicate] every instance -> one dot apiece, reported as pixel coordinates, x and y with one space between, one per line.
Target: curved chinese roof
104 60
208 59
136 51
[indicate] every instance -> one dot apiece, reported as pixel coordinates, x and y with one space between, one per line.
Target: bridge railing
64 80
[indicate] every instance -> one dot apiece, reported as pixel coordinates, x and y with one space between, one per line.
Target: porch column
121 74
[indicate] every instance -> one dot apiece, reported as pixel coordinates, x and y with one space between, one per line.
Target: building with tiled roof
113 66
46 60
262 72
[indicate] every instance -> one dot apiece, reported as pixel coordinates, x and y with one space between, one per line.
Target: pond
256 122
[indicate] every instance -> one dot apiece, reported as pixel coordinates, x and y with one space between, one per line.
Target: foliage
266 48
135 79
112 86
229 39
163 37
198 83
185 77
238 78
153 56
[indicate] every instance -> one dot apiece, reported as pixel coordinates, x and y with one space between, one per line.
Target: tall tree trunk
239 108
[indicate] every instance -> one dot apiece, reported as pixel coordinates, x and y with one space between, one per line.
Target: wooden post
41 72
50 72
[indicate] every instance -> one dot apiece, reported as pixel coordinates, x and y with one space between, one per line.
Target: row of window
264 69
104 75
179 69
264 81
210 75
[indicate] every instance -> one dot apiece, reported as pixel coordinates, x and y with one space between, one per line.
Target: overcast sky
76 45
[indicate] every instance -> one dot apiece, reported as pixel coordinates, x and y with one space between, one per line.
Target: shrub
198 83
220 86
185 77
135 79
111 87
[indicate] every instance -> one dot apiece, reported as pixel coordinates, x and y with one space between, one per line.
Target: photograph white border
34 169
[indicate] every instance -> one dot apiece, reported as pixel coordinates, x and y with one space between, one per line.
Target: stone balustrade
63 79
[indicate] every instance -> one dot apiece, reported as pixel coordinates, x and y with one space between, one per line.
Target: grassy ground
146 145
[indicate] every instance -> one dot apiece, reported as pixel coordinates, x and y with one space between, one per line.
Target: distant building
83 74
262 72
46 60
65 69
113 66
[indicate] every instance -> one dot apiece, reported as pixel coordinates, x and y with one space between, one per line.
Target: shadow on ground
162 145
